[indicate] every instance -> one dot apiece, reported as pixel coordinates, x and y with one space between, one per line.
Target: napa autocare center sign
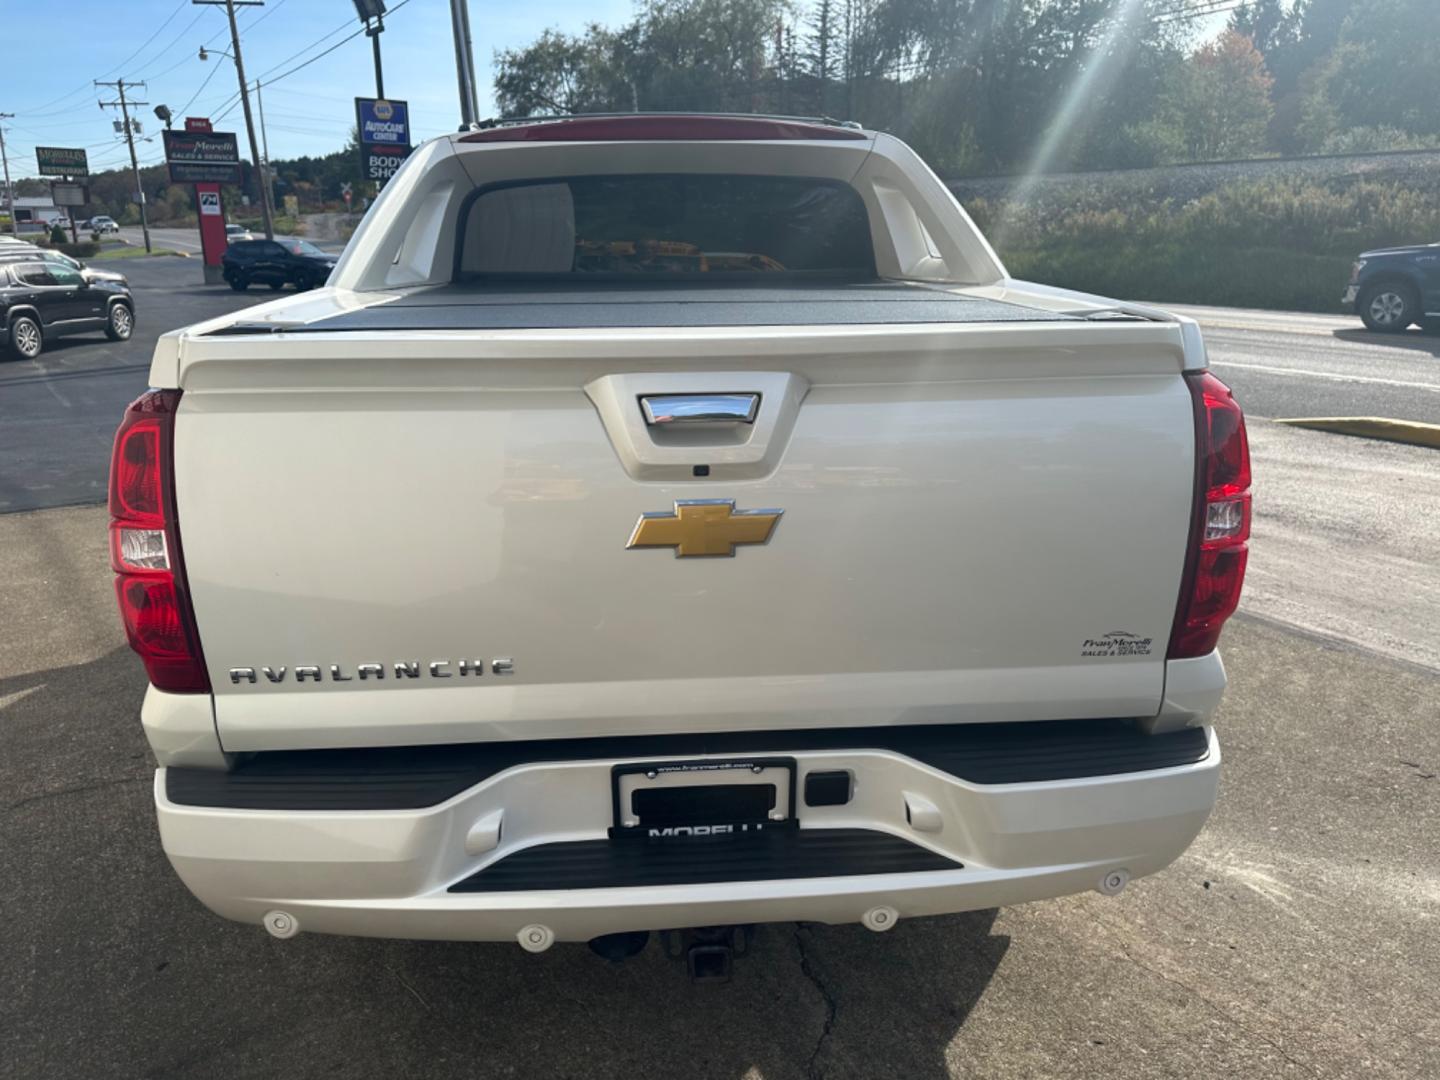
384 129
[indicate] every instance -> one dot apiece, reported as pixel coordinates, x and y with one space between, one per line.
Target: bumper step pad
399 778
768 856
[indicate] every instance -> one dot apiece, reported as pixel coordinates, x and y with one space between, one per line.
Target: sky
47 67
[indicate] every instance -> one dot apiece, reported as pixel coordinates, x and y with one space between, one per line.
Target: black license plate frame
702 773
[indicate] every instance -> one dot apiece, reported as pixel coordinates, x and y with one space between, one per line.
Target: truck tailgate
979 522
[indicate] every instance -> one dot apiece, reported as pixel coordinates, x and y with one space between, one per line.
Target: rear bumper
394 873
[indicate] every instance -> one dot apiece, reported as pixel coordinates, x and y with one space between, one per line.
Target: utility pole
264 138
124 105
265 209
464 63
9 191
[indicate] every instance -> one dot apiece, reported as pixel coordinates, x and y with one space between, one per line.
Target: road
1292 365
1295 939
1346 530
188 240
58 412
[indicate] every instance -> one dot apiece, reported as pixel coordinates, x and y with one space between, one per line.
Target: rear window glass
748 227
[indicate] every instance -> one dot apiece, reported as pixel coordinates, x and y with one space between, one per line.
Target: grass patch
136 251
285 225
1275 278
1285 245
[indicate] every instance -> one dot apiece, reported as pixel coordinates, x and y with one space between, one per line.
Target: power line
227 106
173 42
146 44
39 113
208 41
185 108
349 37
234 99
318 41
1222 8
268 12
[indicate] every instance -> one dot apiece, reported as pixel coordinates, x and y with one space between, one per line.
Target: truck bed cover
620 304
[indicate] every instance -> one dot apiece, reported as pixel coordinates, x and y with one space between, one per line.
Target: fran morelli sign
202 157
62 161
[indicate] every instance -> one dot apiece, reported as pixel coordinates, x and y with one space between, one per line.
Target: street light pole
265 211
119 85
372 14
464 62
373 33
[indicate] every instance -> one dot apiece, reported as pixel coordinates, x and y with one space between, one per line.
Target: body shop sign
202 157
384 128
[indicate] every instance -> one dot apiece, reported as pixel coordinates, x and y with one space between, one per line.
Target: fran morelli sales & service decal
1117 643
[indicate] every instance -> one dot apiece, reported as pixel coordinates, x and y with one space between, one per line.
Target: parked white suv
675 522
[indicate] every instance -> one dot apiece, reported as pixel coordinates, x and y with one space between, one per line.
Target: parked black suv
10 252
42 300
276 263
1394 287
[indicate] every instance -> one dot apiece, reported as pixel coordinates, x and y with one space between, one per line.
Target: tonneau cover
618 304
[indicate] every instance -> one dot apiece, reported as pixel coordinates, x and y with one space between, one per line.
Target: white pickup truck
666 522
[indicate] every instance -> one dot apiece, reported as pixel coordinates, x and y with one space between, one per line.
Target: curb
1412 432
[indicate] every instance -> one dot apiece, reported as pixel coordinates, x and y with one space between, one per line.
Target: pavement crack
403 982
77 790
831 1007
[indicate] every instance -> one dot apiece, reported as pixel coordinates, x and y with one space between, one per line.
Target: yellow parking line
1372 427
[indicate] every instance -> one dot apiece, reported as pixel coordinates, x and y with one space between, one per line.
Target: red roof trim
643 128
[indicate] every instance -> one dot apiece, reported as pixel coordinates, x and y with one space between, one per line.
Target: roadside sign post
69 163
206 159
383 131
69 196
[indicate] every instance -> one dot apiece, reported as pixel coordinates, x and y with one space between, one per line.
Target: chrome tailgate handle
699 408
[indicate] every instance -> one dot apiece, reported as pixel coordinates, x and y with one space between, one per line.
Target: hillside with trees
987 86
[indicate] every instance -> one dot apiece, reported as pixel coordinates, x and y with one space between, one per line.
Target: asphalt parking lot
1297 938
58 412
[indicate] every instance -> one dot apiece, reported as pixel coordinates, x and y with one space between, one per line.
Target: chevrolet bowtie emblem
704 527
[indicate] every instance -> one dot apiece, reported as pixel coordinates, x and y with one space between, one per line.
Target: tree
1225 100
973 84
559 73
821 56
1294 38
1380 75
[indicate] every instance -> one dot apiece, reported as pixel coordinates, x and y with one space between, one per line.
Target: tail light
1215 562
145 546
